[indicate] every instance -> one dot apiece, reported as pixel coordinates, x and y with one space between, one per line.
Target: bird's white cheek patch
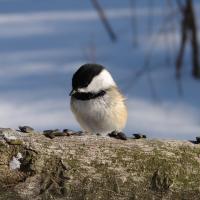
102 81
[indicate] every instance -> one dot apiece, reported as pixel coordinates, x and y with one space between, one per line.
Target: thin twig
104 20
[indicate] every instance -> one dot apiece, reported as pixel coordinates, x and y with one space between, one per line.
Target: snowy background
42 43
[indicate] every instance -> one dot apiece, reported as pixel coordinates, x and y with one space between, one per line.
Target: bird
96 101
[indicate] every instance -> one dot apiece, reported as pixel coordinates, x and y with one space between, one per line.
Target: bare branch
188 31
104 20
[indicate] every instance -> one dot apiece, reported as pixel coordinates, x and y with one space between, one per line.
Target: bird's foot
118 135
57 133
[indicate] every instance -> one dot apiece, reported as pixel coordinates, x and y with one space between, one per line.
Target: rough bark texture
95 167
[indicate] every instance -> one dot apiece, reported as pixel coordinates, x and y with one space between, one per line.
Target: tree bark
96 167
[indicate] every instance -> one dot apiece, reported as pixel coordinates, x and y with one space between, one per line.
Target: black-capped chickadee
96 102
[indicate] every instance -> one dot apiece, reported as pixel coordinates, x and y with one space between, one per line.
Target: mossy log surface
95 167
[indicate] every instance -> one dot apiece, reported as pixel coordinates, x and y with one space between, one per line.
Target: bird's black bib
89 95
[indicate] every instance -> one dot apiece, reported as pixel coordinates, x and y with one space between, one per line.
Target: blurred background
150 47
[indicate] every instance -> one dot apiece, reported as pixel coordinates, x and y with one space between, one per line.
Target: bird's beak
72 92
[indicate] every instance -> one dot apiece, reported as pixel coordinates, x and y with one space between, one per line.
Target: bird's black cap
84 75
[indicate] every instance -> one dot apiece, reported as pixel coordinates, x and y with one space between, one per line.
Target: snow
15 163
43 44
9 137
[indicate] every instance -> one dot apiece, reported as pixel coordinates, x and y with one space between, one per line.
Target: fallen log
91 167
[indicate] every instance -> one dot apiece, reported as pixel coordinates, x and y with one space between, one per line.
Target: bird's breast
101 114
